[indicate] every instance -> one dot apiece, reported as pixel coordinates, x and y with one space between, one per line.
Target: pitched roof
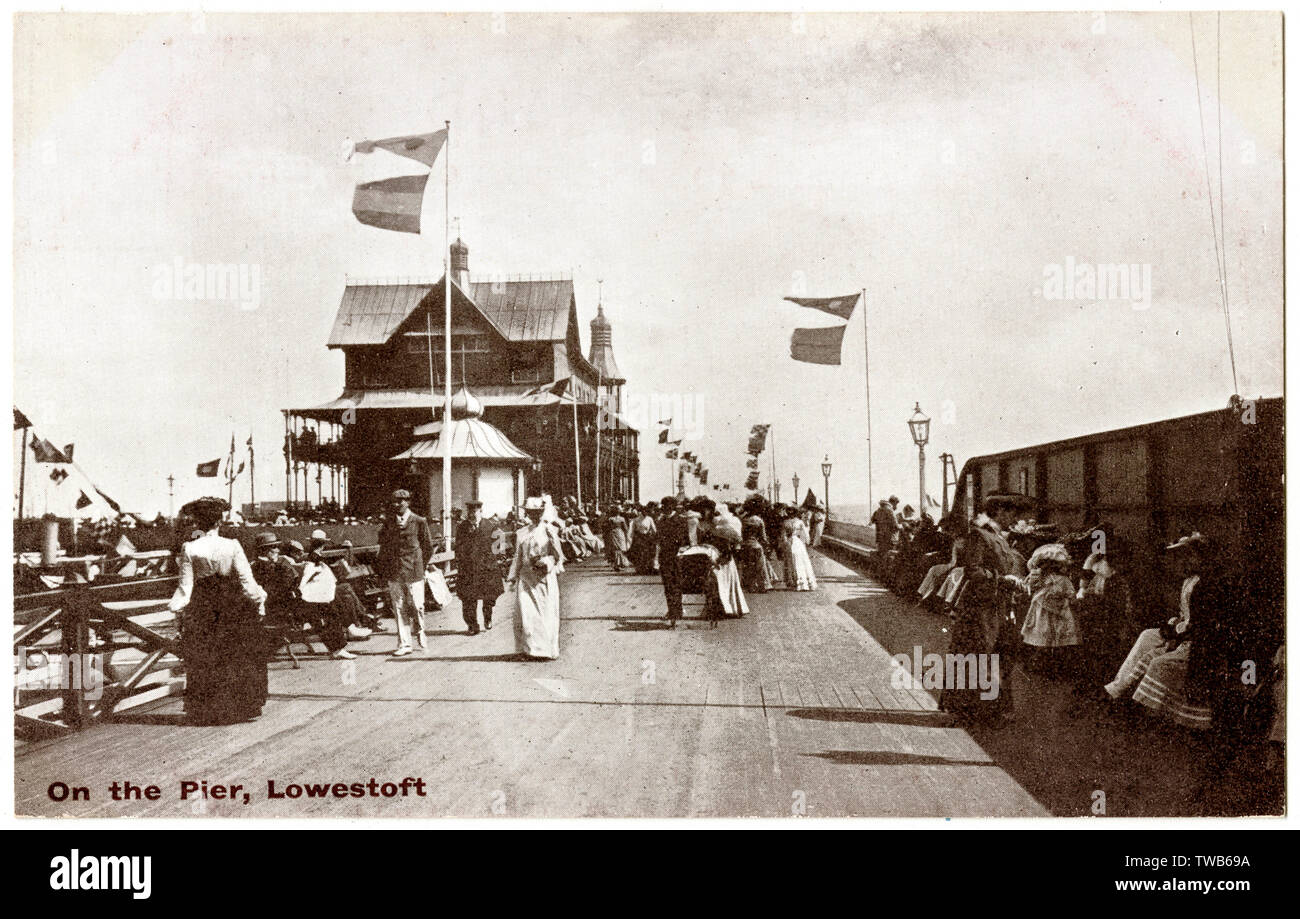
370 314
525 310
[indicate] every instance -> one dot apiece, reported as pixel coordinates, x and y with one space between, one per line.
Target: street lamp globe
795 480
919 424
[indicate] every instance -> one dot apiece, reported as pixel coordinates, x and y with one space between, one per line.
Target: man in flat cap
477 575
405 547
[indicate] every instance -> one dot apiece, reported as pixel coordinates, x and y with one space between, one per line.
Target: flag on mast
817 346
395 204
836 306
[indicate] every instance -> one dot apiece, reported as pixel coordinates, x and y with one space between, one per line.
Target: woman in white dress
539 556
798 566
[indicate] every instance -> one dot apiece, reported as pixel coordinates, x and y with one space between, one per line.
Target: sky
702 167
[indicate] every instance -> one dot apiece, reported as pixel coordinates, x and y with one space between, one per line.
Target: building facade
515 345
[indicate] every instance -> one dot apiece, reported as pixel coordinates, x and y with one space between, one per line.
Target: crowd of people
234 614
1187 632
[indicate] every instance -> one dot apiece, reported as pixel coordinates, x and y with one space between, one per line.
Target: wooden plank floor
788 711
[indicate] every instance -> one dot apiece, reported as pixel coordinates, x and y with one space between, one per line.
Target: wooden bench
376 592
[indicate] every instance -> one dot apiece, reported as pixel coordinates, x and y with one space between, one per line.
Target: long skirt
933 580
1149 645
225 650
723 596
981 627
1163 689
798 567
537 626
755 575
642 553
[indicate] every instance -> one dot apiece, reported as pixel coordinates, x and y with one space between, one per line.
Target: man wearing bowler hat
477 575
405 546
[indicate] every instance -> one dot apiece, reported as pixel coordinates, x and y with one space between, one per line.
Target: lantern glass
919 424
826 467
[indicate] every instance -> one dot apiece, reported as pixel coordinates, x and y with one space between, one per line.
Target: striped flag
395 204
391 204
817 346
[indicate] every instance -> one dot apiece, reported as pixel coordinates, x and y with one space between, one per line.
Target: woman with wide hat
219 605
538 557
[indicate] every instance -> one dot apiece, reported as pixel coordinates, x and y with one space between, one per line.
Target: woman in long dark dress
984 619
755 575
222 640
645 537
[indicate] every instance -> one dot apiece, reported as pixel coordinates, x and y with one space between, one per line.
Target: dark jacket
673 535
477 572
404 550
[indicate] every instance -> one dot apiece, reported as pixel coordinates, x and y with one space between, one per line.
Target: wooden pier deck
787 712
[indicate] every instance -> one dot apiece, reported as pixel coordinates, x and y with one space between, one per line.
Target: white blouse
208 555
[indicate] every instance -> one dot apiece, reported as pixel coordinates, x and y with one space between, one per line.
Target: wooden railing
74 632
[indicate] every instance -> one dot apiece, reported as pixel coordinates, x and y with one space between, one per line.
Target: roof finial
600 292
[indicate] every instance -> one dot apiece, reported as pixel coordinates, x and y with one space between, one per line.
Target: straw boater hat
473 503
1193 541
534 504
1051 552
267 540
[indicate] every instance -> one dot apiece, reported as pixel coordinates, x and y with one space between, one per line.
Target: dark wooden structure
516 344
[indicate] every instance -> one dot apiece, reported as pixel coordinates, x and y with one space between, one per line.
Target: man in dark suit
477 575
673 535
405 546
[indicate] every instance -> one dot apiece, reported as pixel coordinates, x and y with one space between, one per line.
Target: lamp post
919 424
795 481
826 481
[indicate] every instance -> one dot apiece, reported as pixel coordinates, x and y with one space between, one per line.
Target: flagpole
600 376
866 375
22 476
446 318
776 483
252 477
230 475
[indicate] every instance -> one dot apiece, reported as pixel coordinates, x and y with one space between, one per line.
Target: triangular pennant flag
663 436
83 501
46 452
109 501
817 346
423 148
20 420
836 306
67 451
